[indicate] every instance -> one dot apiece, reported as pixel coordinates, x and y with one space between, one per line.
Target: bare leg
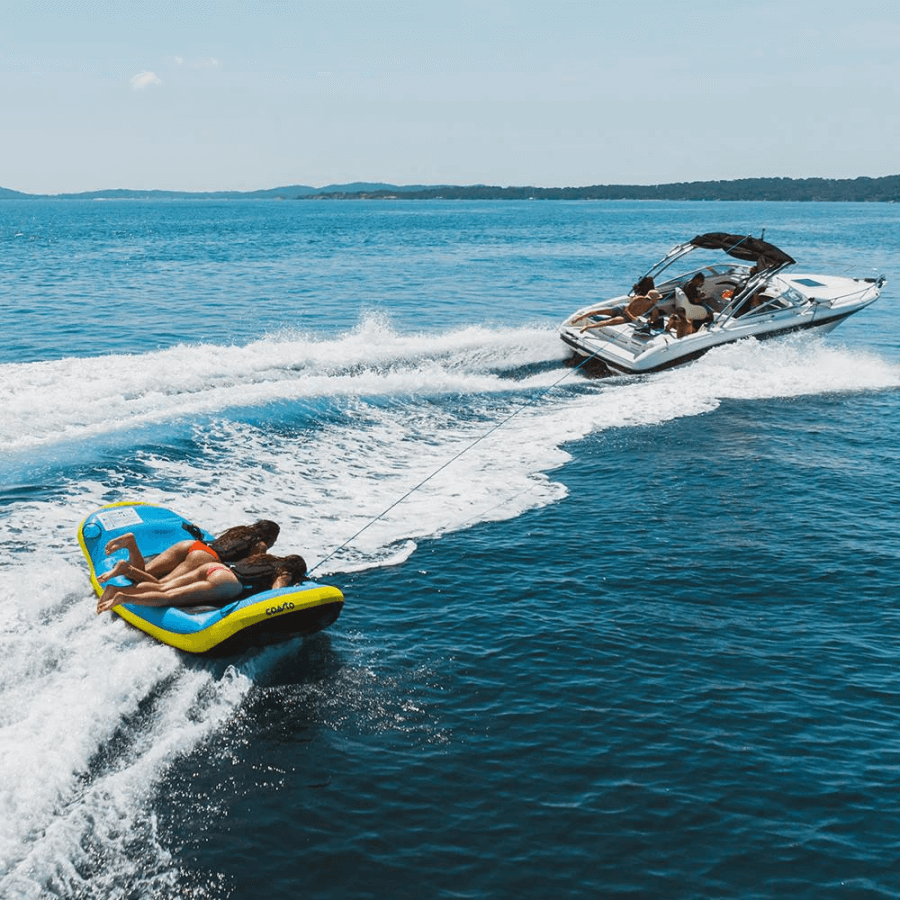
109 598
147 593
615 320
124 567
171 562
193 588
595 312
127 542
161 564
118 569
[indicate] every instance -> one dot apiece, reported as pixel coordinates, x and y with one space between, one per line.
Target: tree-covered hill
883 190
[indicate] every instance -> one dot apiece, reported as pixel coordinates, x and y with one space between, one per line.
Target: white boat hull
634 355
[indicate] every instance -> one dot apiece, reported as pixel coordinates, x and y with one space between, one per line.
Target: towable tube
263 618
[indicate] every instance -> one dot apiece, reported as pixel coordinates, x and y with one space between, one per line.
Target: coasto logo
275 610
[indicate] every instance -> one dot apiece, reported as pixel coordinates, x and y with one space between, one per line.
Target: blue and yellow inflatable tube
264 618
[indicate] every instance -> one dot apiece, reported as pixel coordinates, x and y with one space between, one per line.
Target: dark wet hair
260 570
240 541
644 285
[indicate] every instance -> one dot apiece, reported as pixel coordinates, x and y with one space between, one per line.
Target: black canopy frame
767 259
750 249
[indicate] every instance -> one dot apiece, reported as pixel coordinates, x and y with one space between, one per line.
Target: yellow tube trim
202 641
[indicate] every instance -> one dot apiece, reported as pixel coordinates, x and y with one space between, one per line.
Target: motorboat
748 292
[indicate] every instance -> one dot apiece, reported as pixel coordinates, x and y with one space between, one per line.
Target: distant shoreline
856 190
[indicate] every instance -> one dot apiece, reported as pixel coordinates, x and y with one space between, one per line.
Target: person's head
242 540
644 285
263 571
291 570
698 278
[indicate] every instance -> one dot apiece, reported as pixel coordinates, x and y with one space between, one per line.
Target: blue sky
245 95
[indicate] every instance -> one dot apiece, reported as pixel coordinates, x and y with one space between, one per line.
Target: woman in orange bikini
211 584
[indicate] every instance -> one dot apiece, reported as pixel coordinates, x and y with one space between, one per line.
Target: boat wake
324 436
84 398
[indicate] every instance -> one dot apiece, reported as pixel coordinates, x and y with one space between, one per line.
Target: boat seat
692 311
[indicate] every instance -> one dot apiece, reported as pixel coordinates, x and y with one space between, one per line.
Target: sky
196 95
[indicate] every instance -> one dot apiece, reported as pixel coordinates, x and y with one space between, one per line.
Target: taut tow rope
453 459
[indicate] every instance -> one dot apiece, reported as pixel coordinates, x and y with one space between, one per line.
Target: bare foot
108 599
122 542
122 567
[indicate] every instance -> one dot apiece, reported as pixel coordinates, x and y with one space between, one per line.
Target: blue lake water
629 637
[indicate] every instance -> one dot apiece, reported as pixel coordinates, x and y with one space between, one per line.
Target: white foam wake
470 424
84 398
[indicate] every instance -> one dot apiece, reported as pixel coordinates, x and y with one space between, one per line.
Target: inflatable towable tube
263 618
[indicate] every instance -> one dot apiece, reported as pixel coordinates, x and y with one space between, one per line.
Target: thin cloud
143 80
201 62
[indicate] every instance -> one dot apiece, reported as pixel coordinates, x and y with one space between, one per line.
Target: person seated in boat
694 290
185 556
640 289
640 305
213 584
680 323
696 306
694 287
760 298
761 265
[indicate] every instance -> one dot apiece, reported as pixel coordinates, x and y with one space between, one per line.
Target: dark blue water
640 640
